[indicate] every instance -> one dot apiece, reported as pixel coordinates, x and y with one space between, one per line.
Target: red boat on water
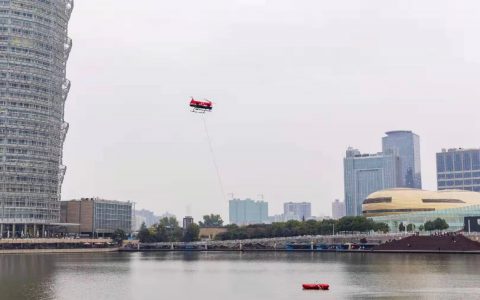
315 286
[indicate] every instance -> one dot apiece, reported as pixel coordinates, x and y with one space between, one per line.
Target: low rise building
96 217
413 206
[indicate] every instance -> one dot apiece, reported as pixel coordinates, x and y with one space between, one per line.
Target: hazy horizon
294 84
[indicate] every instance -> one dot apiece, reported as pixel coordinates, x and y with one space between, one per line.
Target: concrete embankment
79 250
55 245
391 243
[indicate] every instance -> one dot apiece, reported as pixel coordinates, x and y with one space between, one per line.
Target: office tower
244 212
34 48
406 145
298 210
338 209
458 169
187 221
365 174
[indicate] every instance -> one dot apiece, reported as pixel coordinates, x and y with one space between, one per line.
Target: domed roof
405 200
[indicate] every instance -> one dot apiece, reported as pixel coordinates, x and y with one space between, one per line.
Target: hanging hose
214 158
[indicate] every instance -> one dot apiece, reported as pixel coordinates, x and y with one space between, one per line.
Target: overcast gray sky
295 82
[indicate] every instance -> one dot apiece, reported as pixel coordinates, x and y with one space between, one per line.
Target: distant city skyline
294 83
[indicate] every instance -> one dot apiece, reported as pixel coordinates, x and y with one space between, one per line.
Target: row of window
459 182
399 210
378 200
458 161
29 159
30 180
442 201
475 188
30 204
458 175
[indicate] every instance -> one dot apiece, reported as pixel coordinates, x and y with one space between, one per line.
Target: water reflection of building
96 216
412 206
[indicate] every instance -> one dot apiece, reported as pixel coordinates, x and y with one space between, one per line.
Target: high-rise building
299 210
406 145
338 209
34 48
458 169
244 212
187 221
365 174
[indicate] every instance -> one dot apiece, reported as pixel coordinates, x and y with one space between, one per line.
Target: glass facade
406 145
244 212
34 48
365 174
453 216
458 169
112 215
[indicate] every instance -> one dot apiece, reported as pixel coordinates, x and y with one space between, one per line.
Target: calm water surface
218 275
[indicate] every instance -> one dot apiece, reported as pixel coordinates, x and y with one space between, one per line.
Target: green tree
211 221
118 236
168 222
440 224
360 224
410 227
421 228
401 227
161 233
381 227
191 233
144 234
429 226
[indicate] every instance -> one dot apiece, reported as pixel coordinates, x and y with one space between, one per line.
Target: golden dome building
413 206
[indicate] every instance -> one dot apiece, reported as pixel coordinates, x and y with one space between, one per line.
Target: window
467 161
440 163
449 163
442 201
400 210
378 200
458 162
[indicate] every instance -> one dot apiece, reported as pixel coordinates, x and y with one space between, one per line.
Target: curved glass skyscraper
34 48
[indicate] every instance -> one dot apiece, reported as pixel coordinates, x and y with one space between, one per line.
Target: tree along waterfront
299 228
168 230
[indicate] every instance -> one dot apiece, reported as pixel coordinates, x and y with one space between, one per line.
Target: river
234 275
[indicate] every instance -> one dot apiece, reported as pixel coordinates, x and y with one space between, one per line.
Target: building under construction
34 48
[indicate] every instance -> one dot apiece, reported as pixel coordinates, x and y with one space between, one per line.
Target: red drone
201 106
